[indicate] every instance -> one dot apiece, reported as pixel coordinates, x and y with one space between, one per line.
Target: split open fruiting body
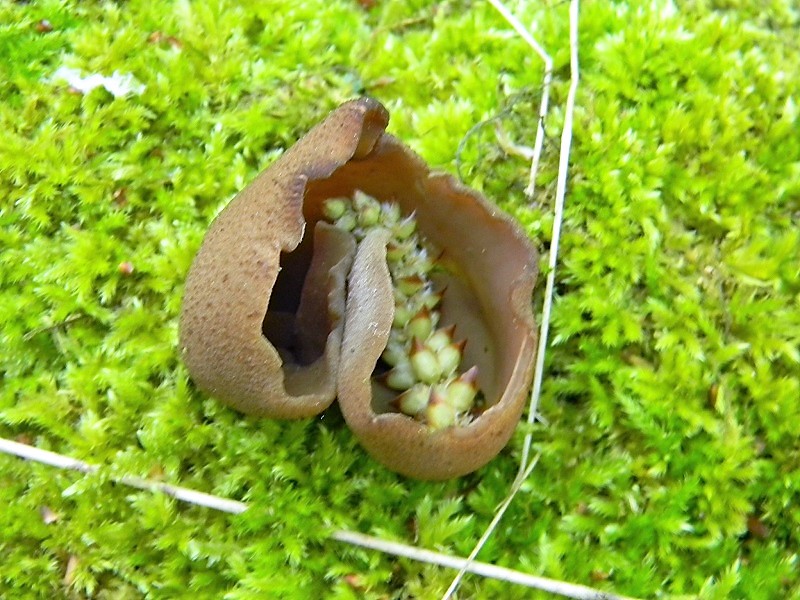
283 312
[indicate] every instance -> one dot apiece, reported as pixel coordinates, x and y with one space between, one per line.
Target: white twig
44 456
561 189
489 530
530 190
568 590
525 469
179 493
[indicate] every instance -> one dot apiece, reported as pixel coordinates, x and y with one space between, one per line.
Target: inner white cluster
423 358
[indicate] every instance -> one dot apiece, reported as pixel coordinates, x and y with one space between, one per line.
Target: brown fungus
314 342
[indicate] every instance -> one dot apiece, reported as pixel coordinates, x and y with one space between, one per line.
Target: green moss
669 462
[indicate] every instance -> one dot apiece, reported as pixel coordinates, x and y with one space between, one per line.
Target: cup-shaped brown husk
261 320
292 361
492 271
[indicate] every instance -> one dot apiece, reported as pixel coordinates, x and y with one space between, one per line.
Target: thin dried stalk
563 167
227 505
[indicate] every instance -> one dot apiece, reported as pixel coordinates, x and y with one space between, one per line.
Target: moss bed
670 462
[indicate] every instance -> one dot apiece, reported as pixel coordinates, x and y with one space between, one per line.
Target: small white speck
117 84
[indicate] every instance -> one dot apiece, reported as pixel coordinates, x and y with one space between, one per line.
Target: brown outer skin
231 279
498 271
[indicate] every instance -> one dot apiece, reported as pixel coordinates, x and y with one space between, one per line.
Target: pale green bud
346 222
334 208
449 357
401 377
439 414
425 364
433 299
405 228
394 353
402 315
460 393
362 201
420 325
395 252
440 338
410 285
421 260
414 400
369 215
